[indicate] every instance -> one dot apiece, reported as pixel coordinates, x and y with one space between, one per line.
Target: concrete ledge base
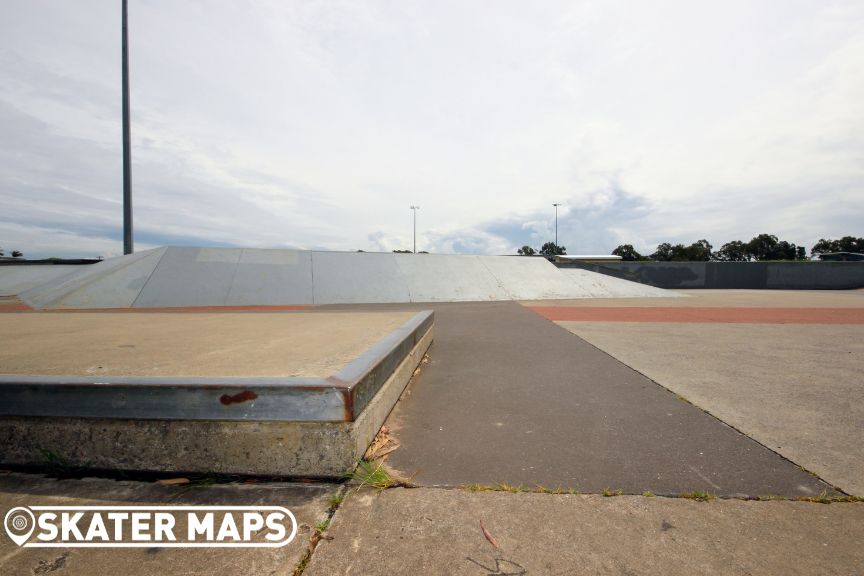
293 449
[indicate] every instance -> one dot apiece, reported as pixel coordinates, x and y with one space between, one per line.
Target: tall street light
556 223
127 144
415 208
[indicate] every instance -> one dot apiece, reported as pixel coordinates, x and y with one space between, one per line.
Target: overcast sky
317 124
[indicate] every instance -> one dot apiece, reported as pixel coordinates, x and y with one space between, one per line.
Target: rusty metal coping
340 397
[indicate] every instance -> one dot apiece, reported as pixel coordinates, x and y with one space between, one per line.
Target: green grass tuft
698 495
374 475
823 498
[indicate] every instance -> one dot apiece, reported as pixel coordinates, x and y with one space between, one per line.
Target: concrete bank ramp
614 287
18 278
185 276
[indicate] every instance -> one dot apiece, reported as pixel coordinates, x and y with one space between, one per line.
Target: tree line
759 248
548 249
14 254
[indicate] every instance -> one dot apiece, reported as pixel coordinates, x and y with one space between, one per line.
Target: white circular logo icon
19 523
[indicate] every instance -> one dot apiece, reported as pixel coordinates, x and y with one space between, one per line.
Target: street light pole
128 247
556 223
415 208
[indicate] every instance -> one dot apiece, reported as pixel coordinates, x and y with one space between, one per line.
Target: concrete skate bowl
203 277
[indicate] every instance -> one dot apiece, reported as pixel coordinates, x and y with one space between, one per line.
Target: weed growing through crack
698 495
823 498
495 488
372 474
608 493
323 525
59 465
502 487
319 534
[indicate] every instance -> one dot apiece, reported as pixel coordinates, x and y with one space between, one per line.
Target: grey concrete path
435 531
798 389
308 503
510 397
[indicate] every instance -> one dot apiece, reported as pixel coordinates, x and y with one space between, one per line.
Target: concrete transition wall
17 279
758 275
186 276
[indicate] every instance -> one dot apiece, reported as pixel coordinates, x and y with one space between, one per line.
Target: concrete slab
509 397
434 531
204 345
532 278
113 283
348 277
206 277
444 278
313 425
795 388
17 279
309 504
213 270
602 286
272 277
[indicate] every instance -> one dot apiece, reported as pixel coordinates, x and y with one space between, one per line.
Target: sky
316 124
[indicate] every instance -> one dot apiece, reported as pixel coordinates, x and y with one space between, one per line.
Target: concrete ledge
263 444
336 398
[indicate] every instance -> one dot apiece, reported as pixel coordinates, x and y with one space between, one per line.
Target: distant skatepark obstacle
199 277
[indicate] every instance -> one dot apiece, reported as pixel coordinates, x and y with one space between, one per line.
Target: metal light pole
556 223
415 208
127 144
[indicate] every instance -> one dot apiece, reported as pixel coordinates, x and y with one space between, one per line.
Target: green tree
526 251
762 247
735 251
784 251
699 251
15 253
768 247
844 244
627 252
552 249
663 253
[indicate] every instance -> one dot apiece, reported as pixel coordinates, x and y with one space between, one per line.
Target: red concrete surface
706 315
14 305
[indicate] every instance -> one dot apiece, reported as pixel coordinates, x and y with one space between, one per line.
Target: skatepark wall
730 275
198 277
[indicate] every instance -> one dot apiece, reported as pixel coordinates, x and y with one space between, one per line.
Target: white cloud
318 124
